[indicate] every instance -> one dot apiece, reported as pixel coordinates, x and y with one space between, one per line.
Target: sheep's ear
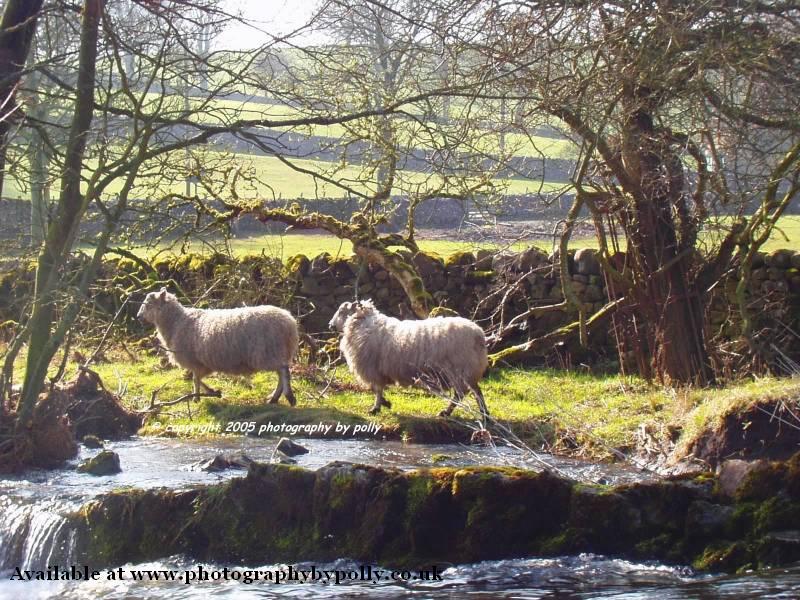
162 295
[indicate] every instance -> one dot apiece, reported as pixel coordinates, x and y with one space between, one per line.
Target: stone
586 262
290 448
593 294
427 266
578 287
779 547
443 311
221 463
732 473
320 264
313 286
704 519
529 259
795 260
364 288
794 284
381 275
92 441
299 264
459 259
581 278
502 262
104 463
782 259
484 259
775 274
539 291
553 259
342 269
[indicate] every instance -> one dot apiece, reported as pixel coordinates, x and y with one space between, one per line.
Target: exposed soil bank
282 513
760 430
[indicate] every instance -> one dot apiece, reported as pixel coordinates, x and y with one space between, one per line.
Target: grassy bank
581 414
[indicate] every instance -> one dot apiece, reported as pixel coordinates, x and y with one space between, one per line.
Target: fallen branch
156 407
546 342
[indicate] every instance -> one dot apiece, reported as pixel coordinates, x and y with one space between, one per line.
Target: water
34 533
564 578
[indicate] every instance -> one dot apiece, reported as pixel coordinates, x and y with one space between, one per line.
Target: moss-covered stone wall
486 286
283 513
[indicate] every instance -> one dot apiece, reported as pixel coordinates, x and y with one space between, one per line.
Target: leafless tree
684 113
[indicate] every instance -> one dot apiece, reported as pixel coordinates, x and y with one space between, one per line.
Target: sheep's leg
458 396
286 385
210 390
379 401
276 395
476 390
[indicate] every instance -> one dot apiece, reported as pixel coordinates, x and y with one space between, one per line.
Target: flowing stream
34 534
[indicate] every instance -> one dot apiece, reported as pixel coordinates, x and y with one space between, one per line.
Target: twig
185 398
97 350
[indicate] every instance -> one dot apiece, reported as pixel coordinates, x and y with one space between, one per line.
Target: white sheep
237 341
443 352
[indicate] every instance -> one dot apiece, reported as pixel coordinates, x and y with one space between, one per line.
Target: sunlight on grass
573 412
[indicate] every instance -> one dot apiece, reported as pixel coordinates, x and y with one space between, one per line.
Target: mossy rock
298 265
443 311
104 463
478 277
459 259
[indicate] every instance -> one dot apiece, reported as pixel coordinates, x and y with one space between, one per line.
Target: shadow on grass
393 426
224 412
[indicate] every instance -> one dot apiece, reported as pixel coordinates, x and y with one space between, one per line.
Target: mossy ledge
283 513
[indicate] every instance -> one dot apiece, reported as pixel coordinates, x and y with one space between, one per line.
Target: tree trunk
671 305
16 34
39 175
61 233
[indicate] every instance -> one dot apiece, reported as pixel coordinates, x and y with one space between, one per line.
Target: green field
312 244
268 178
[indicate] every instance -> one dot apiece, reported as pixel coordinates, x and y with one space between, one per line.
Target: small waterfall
35 533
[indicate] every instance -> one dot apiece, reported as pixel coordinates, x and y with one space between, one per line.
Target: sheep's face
340 318
148 312
347 310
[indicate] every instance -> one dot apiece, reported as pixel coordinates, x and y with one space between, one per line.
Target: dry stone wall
486 286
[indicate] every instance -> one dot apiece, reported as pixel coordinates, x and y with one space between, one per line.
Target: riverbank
597 416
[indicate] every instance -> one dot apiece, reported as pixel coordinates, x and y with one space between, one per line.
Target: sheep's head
347 310
152 305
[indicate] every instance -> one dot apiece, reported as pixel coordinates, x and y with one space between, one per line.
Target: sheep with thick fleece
442 352
238 341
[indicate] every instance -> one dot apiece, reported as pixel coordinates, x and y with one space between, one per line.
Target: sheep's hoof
292 400
444 413
387 404
374 410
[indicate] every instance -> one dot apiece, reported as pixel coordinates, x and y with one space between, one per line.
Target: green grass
598 412
583 414
311 244
487 142
268 178
592 415
284 246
